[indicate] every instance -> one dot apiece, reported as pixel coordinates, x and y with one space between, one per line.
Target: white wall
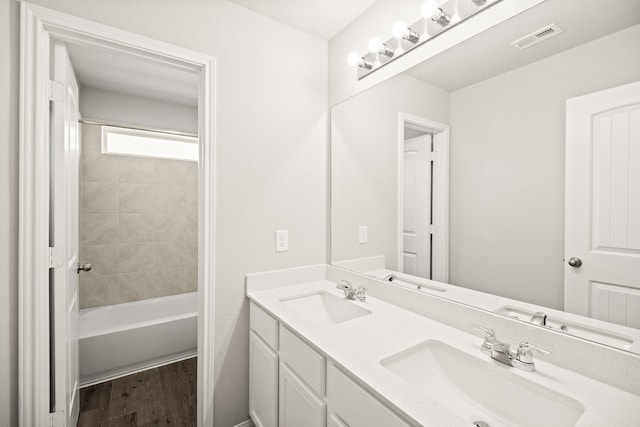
135 110
8 214
271 156
364 159
507 168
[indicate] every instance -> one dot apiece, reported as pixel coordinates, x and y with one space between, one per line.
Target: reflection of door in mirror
602 244
416 206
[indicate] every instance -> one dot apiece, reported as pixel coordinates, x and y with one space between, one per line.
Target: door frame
440 197
39 28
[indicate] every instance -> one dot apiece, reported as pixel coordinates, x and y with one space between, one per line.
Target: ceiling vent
538 36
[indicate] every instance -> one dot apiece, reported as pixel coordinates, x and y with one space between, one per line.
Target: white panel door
65 211
416 207
263 383
602 212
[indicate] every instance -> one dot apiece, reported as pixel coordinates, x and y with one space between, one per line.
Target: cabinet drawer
264 325
354 406
303 360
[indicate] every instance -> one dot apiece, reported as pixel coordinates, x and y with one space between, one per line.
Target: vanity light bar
436 20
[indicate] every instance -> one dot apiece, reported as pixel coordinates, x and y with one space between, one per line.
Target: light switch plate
363 234
282 240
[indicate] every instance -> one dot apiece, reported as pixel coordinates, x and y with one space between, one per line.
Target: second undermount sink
324 308
479 390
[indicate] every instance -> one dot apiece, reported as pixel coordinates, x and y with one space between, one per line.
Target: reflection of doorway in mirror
423 198
416 209
602 226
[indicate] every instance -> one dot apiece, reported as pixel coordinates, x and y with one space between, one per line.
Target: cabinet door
299 406
263 383
353 406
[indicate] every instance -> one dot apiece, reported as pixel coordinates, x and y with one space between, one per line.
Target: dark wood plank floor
164 396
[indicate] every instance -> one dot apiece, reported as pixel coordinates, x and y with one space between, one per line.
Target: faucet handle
361 294
347 283
489 339
524 352
488 333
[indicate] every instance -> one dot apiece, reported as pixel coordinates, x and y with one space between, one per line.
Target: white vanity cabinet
263 368
352 406
291 382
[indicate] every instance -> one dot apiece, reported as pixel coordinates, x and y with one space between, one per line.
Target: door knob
575 262
84 267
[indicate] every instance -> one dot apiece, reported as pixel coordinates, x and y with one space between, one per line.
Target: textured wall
271 166
138 225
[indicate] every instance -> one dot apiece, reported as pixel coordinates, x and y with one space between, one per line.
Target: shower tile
134 257
170 226
98 167
98 291
169 198
136 286
170 281
99 228
170 254
169 171
136 170
136 227
191 225
103 259
91 138
136 197
191 279
190 251
99 197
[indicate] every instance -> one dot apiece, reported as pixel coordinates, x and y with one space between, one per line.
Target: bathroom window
134 142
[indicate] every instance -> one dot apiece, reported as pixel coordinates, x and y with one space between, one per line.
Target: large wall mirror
505 178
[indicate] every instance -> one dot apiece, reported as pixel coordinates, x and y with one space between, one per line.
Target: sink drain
481 424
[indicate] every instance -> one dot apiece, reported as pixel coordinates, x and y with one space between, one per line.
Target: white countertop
358 346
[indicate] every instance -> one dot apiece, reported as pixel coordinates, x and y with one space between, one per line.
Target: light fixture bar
436 20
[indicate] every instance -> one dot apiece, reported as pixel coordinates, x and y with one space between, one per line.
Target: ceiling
133 75
323 18
490 53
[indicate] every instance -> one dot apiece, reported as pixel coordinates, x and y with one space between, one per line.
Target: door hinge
432 229
56 257
432 156
56 91
56 419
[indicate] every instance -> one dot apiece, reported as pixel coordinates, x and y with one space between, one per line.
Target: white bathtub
121 339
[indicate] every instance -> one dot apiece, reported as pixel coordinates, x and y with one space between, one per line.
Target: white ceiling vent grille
538 36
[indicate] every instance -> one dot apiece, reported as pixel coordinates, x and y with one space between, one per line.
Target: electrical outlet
282 240
363 234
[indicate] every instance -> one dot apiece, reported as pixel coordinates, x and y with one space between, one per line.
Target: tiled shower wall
138 225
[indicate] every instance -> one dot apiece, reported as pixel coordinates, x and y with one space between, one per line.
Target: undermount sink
324 308
479 390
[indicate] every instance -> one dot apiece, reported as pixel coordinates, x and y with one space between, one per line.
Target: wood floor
164 396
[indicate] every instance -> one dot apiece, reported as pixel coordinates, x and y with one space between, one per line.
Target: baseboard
248 423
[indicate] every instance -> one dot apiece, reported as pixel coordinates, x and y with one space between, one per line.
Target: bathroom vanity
318 358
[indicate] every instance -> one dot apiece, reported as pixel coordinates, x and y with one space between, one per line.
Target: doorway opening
423 198
111 233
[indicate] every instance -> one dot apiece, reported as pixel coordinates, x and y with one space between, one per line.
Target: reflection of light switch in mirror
282 240
363 234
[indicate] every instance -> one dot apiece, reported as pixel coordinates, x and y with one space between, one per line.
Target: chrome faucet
522 358
350 293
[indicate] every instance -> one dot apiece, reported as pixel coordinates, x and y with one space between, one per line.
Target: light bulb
399 29
428 8
353 59
455 19
374 45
